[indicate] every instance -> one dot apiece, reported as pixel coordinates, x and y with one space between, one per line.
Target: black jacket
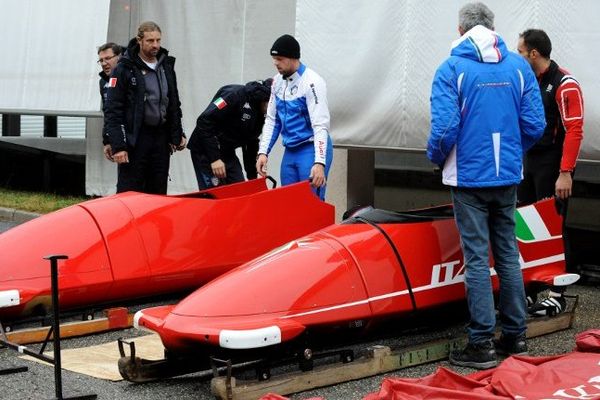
103 83
124 108
554 134
233 119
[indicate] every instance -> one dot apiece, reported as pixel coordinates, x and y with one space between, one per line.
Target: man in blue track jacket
486 111
297 111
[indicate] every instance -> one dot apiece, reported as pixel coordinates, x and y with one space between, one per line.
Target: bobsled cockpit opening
198 195
379 216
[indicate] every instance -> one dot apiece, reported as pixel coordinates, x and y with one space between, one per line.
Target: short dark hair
113 46
537 39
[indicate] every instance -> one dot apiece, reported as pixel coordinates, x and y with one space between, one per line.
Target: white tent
377 57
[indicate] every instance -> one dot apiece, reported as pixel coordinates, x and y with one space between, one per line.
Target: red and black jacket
563 106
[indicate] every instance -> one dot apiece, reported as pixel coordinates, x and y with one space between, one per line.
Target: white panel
32 125
49 64
378 59
70 127
250 338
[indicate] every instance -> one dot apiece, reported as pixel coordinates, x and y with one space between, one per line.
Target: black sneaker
475 355
548 307
510 345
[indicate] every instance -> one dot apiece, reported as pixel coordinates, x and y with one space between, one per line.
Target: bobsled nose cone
151 319
70 231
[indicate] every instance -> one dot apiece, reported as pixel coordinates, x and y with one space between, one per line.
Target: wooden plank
116 318
548 325
380 359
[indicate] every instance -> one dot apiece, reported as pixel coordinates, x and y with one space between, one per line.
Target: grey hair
473 14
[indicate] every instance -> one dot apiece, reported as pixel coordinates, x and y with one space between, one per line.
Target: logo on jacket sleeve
314 92
112 82
220 103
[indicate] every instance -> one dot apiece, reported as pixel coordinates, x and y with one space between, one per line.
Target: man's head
259 92
286 55
108 56
148 38
535 46
473 14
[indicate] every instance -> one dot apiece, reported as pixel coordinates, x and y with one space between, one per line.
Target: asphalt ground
38 381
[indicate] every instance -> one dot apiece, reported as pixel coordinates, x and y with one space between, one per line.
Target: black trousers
204 175
540 172
148 167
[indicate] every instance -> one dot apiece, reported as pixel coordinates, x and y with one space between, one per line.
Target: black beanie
286 46
259 91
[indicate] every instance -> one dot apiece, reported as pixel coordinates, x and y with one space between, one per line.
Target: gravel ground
38 381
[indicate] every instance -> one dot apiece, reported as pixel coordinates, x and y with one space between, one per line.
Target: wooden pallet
115 318
380 359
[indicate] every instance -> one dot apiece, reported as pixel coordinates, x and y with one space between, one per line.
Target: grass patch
36 202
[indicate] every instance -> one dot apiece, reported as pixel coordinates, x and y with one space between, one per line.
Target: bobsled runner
133 245
374 265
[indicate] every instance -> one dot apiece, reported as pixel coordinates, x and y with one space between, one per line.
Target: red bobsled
134 245
373 265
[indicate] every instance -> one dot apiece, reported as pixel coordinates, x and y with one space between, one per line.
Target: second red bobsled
134 245
375 264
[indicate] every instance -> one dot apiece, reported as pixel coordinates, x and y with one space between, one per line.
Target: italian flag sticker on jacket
220 103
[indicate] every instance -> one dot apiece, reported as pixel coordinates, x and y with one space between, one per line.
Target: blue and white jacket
298 111
486 111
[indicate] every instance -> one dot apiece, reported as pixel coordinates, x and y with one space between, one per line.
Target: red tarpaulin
571 376
574 375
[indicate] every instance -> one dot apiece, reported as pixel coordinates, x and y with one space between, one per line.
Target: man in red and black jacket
549 164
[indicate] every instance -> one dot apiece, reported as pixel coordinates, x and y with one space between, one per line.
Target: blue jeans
486 215
298 161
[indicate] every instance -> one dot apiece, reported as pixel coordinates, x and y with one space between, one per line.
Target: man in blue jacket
486 111
297 111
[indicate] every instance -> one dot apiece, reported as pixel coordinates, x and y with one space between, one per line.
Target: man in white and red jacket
549 165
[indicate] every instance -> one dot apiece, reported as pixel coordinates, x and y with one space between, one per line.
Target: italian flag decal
220 103
539 233
530 225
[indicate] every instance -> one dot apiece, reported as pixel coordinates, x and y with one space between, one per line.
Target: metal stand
55 332
11 370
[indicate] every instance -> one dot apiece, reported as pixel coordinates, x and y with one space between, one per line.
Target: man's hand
563 185
261 165
179 147
317 175
121 157
218 169
108 152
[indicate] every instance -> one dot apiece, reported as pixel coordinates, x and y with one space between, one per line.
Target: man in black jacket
108 57
233 119
142 115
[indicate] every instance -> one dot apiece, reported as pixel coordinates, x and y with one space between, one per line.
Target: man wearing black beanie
298 111
233 119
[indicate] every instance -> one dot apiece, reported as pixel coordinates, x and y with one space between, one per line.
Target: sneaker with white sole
548 307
